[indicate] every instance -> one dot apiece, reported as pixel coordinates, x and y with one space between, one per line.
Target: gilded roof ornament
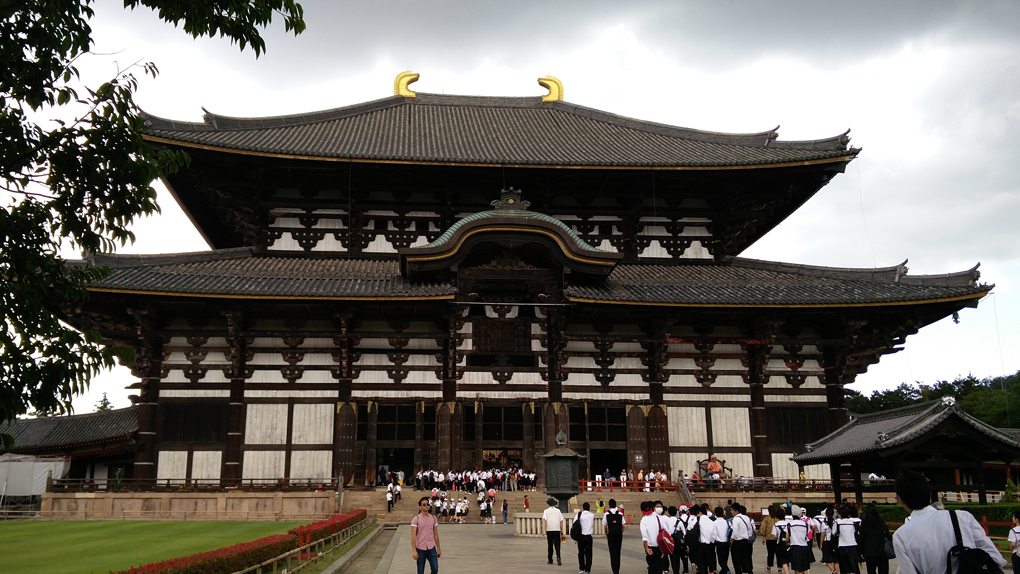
554 86
510 199
401 82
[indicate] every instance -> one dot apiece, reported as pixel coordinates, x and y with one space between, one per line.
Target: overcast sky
930 90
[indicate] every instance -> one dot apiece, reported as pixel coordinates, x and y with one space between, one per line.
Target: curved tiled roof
752 282
491 131
73 430
888 429
517 213
744 282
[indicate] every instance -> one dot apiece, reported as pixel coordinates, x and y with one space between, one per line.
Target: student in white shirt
721 540
801 556
1014 542
741 536
552 519
584 544
924 540
845 531
389 502
651 524
706 538
613 524
781 530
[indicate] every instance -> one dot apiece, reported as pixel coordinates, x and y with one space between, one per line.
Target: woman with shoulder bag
874 534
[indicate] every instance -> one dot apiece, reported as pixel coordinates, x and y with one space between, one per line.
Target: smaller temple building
953 449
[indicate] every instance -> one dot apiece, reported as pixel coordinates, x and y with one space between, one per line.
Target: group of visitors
646 481
392 495
449 508
502 479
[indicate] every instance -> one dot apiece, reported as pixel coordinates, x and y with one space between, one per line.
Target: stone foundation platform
269 506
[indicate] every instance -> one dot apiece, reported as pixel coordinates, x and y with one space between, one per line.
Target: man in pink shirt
425 538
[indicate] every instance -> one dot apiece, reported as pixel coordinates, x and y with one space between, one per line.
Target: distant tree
103 405
80 181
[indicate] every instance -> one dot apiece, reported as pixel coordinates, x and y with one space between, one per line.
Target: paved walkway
470 548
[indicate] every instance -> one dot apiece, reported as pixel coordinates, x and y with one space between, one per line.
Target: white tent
23 475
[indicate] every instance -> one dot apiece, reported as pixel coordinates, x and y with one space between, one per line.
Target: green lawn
98 547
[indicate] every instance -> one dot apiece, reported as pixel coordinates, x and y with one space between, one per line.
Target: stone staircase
374 500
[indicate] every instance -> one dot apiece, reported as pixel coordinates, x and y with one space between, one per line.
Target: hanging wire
860 194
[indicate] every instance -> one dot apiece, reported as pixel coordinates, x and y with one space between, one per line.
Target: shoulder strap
956 527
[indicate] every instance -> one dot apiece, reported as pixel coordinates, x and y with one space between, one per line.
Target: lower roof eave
960 298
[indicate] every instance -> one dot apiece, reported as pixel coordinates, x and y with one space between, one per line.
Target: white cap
683 508
710 514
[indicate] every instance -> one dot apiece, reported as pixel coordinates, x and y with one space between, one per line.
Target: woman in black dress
874 533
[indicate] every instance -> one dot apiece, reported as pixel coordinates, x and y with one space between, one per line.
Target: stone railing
530 524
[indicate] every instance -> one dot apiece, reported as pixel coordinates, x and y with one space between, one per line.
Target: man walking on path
614 524
552 518
425 538
584 543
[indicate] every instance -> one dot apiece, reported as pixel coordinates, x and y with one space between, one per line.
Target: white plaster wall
783 467
742 463
730 427
172 464
686 461
263 464
687 426
311 464
313 424
194 393
403 394
266 424
206 464
331 394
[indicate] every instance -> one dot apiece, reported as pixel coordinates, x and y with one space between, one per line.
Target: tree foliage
78 182
103 405
994 400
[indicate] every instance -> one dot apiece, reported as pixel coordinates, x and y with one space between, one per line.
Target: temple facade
436 281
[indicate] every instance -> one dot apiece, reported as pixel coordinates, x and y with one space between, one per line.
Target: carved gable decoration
506 231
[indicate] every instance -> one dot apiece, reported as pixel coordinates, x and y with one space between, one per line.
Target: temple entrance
615 459
393 460
502 458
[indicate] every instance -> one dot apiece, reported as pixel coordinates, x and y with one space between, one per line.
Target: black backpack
693 536
614 523
575 528
968 560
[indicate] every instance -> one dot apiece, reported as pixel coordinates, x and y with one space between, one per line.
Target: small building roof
873 433
54 433
447 129
240 272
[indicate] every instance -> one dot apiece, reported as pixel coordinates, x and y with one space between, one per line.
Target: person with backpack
1014 542
722 540
706 539
845 533
613 524
781 530
939 540
873 535
651 526
582 531
827 530
670 520
679 519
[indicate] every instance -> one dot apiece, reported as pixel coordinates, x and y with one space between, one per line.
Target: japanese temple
441 281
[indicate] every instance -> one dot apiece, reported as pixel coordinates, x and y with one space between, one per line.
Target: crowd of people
714 540
500 479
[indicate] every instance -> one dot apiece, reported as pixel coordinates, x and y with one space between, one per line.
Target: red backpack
664 539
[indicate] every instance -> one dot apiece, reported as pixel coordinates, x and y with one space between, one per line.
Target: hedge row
222 560
324 528
241 556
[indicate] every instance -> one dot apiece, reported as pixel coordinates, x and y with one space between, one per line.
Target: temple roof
71 431
745 282
876 432
491 131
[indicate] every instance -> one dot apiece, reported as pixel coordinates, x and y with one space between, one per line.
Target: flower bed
246 554
324 528
222 560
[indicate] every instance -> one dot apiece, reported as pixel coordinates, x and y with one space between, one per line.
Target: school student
722 540
781 531
613 524
801 556
846 534
706 538
1014 542
584 544
651 524
741 540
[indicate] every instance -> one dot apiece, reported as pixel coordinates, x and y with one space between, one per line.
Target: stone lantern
561 473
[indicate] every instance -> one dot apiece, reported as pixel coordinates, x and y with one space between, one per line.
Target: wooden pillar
979 478
479 415
834 387
837 483
858 485
371 460
637 438
760 455
345 420
444 436
658 439
148 369
419 432
528 448
232 458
